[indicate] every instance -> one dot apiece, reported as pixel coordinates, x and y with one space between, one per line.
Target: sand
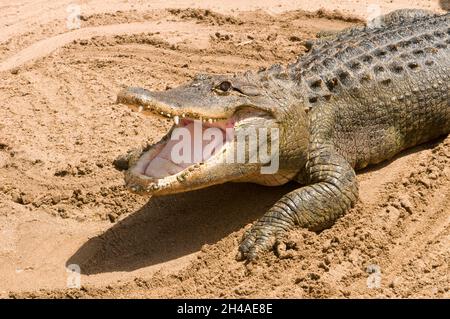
62 202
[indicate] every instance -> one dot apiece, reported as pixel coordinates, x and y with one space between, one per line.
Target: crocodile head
212 140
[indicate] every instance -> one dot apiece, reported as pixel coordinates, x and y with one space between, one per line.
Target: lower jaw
170 185
142 184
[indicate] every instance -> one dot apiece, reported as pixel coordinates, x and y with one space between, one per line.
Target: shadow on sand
170 227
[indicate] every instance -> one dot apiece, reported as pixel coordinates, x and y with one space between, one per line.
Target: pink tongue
163 165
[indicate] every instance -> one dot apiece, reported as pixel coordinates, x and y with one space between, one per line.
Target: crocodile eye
225 86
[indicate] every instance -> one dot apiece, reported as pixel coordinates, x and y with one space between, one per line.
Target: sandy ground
62 202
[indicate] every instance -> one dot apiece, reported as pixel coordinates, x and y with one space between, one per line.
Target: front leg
332 192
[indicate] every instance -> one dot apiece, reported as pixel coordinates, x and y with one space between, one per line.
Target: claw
252 255
240 256
254 242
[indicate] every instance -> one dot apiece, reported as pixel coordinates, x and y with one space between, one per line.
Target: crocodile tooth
176 119
169 115
210 120
140 108
183 115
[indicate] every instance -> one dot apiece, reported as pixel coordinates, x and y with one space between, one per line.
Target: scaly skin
357 98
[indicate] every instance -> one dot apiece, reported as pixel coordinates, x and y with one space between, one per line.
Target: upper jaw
157 103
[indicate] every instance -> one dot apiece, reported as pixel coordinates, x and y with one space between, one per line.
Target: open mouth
200 142
189 143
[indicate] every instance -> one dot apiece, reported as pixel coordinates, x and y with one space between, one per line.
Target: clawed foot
257 240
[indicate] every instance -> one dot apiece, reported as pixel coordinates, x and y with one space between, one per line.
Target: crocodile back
387 87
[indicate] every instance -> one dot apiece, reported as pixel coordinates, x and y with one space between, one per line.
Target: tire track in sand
182 30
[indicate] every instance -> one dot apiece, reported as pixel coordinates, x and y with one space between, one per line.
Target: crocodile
356 98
